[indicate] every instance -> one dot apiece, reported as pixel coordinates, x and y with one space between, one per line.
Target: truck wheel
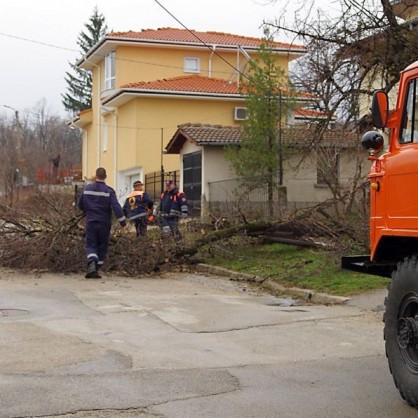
401 329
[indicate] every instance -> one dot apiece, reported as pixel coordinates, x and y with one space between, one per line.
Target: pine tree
79 81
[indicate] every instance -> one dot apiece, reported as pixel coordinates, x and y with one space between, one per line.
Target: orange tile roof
309 113
204 134
188 83
196 37
200 84
296 136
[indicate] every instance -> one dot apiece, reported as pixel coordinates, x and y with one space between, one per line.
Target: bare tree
349 51
41 137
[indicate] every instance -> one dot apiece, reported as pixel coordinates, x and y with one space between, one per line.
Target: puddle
284 302
12 312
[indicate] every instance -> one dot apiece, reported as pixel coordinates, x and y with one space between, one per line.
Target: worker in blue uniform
98 201
173 206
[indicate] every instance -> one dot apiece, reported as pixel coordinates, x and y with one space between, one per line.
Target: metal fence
155 182
239 198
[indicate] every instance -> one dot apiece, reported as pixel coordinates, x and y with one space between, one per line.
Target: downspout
213 49
84 152
115 151
113 110
238 49
98 110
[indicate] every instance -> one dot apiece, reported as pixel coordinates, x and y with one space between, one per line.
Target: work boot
98 270
92 272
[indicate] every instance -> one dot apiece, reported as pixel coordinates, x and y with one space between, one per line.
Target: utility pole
162 162
14 174
280 145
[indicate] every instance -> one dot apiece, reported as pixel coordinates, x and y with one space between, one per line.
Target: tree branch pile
43 234
47 234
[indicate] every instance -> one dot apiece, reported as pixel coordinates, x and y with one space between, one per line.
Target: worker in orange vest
138 205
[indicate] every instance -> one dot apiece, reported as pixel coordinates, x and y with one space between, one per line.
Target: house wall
138 127
216 167
148 64
372 84
145 126
300 176
136 64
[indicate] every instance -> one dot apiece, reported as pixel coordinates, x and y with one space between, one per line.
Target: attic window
191 65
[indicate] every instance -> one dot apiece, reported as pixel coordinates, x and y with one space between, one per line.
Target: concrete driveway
186 345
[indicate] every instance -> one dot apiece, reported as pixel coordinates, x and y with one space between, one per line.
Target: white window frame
110 71
191 65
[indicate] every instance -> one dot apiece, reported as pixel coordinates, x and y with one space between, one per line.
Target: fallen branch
289 241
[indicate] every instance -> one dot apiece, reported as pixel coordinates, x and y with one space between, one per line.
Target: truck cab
393 181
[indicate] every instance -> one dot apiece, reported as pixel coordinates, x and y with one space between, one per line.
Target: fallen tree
47 234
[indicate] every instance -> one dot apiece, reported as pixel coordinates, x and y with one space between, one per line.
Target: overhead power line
148 63
202 41
20 38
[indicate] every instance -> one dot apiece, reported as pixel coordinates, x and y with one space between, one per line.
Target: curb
233 275
306 294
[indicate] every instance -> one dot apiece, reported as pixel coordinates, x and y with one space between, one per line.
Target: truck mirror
380 109
372 141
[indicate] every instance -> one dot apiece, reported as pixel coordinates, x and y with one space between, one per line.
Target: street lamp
14 181
17 125
10 107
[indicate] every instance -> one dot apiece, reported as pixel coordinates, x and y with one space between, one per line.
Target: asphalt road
186 345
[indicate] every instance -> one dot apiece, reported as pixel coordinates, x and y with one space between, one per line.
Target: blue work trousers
141 226
171 223
97 241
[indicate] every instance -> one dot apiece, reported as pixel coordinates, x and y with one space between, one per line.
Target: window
327 167
192 177
191 65
110 71
409 132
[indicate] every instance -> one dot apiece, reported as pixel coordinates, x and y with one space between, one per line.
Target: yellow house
147 83
407 11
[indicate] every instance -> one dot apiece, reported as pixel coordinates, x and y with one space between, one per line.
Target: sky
38 38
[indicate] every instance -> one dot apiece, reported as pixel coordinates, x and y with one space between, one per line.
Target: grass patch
293 266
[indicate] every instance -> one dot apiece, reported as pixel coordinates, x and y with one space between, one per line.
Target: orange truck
394 226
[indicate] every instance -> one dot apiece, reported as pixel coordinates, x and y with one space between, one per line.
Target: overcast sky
38 37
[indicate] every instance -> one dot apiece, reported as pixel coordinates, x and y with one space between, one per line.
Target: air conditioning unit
240 113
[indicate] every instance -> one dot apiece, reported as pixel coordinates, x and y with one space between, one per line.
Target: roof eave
125 95
83 119
217 144
108 43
